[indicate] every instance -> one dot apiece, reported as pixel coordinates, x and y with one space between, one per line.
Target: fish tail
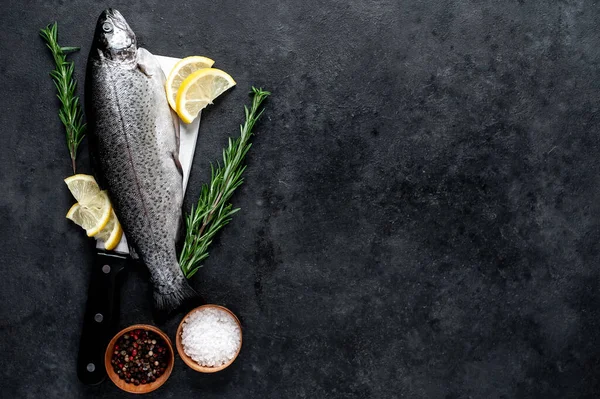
179 293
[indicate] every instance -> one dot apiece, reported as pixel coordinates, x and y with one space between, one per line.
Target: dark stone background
420 217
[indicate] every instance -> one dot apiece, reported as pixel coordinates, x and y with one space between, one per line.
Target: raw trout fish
134 139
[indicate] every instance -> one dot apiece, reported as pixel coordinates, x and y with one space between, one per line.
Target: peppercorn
142 357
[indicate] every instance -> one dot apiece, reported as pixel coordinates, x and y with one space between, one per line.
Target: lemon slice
93 210
82 187
182 70
200 89
94 215
111 234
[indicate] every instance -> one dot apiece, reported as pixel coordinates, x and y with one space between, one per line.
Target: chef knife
108 271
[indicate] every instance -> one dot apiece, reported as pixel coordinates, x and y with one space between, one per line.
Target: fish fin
132 252
177 130
144 69
177 162
148 64
177 141
177 296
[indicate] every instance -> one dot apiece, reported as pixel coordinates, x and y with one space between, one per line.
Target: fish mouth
114 16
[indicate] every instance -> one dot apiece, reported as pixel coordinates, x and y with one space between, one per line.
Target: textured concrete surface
420 217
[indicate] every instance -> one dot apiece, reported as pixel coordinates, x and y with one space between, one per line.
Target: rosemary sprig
70 112
213 210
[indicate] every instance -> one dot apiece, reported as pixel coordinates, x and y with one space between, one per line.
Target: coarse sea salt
211 337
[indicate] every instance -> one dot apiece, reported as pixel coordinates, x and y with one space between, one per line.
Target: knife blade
109 270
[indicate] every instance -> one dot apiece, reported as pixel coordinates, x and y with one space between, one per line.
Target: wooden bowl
142 388
188 360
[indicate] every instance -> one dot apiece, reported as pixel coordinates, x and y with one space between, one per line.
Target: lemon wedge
94 215
111 234
200 89
182 70
83 187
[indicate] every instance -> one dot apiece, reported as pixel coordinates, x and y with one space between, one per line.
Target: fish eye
107 27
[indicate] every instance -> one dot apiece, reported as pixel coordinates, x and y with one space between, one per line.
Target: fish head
114 40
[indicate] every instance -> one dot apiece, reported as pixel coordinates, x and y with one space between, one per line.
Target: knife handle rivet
98 317
106 269
90 367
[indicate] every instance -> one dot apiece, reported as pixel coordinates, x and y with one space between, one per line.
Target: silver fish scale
136 148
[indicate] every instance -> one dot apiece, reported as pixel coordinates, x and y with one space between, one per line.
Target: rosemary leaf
70 112
213 210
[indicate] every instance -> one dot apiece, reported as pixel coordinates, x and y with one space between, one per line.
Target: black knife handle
101 316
